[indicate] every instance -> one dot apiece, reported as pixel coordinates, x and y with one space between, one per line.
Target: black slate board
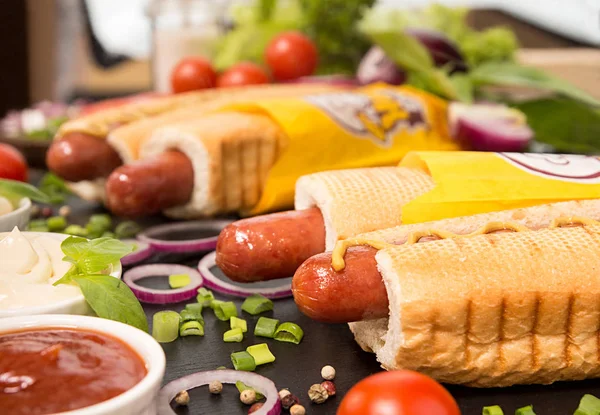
299 366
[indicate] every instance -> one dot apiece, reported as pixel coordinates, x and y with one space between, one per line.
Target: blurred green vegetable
55 188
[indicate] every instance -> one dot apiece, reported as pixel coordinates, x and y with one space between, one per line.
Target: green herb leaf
75 247
55 188
96 255
68 277
463 87
13 188
406 51
512 74
266 8
112 299
573 127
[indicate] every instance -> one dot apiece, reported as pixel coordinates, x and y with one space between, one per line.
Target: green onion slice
492 410
243 361
589 405
56 223
289 332
526 410
205 297
238 323
127 229
233 336
241 386
261 353
191 315
191 328
179 280
194 307
256 304
265 327
224 310
165 326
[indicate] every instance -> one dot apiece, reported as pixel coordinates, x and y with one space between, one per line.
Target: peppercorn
215 387
317 393
35 211
46 212
283 393
328 372
64 211
255 407
182 398
329 387
297 410
248 396
289 400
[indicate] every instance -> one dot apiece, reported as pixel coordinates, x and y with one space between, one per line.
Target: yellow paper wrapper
467 183
372 126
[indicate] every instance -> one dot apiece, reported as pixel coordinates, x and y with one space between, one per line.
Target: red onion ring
154 296
143 251
263 385
152 236
212 281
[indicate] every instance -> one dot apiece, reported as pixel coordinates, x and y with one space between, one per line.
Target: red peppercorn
329 387
289 400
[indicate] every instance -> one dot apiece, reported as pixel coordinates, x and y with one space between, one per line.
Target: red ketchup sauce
49 370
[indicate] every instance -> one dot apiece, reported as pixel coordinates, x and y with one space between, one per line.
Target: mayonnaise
29 265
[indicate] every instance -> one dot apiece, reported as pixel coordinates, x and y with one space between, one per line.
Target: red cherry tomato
193 73
291 55
401 392
12 164
244 73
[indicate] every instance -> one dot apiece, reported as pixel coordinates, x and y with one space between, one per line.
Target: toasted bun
355 201
492 310
231 154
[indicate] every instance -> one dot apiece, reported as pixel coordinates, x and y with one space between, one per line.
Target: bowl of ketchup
77 365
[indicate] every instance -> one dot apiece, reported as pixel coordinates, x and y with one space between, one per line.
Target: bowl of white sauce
11 216
30 263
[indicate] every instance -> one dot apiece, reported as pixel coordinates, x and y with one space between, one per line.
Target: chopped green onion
492 410
205 297
165 326
224 310
236 323
56 223
191 315
102 220
265 327
194 307
261 353
191 328
526 410
233 336
109 234
241 387
222 368
37 223
76 230
127 229
289 332
589 405
256 304
179 280
243 361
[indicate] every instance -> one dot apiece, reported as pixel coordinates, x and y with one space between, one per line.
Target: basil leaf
101 253
15 188
406 51
68 277
112 299
463 87
567 125
75 247
512 74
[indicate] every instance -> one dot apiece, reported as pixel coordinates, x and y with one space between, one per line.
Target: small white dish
18 217
139 400
75 305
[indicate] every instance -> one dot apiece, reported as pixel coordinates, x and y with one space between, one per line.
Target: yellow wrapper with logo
467 183
372 126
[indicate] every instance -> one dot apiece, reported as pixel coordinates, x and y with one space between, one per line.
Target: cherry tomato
244 73
193 73
401 392
12 163
291 55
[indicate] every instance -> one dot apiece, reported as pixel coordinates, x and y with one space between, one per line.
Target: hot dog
357 291
270 246
80 156
149 186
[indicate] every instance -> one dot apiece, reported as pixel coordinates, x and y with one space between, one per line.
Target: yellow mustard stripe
339 251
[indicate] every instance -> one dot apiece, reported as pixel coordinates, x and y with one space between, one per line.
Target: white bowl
75 305
139 400
18 217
